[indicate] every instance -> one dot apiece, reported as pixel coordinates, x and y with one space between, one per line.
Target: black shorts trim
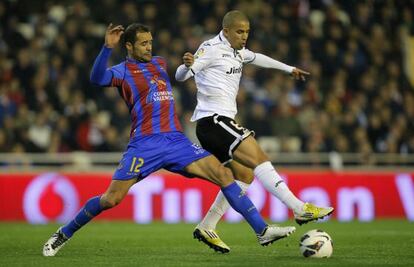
221 136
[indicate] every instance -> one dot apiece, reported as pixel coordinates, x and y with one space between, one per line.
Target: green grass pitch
379 243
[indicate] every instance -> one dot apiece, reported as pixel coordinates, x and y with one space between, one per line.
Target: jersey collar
224 39
133 60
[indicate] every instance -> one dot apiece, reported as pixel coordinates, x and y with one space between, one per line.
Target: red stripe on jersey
164 105
163 63
116 82
126 91
142 86
128 96
177 122
134 123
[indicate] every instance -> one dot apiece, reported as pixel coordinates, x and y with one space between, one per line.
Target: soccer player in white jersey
217 68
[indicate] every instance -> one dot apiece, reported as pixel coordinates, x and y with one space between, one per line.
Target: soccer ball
316 244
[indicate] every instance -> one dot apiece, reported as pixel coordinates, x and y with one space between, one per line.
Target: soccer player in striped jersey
156 139
217 68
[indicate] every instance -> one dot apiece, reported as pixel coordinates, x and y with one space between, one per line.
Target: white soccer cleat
54 244
273 233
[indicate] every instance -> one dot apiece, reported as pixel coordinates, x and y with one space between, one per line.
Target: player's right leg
205 231
116 191
251 155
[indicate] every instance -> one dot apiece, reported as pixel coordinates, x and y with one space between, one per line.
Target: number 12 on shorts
136 164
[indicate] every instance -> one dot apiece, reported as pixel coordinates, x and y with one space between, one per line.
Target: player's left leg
205 231
116 191
190 159
221 135
251 155
210 169
244 177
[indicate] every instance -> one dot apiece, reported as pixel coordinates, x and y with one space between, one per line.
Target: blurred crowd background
357 99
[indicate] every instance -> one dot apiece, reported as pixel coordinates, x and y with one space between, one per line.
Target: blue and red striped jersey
147 91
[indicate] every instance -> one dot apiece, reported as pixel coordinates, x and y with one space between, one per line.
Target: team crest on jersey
158 91
200 52
158 82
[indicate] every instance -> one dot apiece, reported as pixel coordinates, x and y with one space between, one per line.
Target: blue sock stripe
242 204
91 209
75 222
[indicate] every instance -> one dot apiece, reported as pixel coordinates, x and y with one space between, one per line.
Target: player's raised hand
299 74
188 59
112 35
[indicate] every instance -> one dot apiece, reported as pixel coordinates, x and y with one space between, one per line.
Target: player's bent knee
245 176
264 159
248 179
261 158
110 201
224 176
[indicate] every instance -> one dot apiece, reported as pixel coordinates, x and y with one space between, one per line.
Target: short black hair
232 16
131 31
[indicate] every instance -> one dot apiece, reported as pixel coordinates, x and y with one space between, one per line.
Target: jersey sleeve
164 63
248 56
203 58
117 75
268 62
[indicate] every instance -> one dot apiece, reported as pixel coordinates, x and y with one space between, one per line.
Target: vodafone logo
50 197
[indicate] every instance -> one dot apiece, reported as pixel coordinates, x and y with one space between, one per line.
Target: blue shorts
172 151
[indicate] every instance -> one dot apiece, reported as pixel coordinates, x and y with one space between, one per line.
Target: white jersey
217 71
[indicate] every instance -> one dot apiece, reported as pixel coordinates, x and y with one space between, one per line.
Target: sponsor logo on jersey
155 96
225 55
234 70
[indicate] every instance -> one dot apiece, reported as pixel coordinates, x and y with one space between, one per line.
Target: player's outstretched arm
183 71
99 74
268 62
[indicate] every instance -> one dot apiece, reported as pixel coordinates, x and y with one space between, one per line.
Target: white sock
273 183
217 210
